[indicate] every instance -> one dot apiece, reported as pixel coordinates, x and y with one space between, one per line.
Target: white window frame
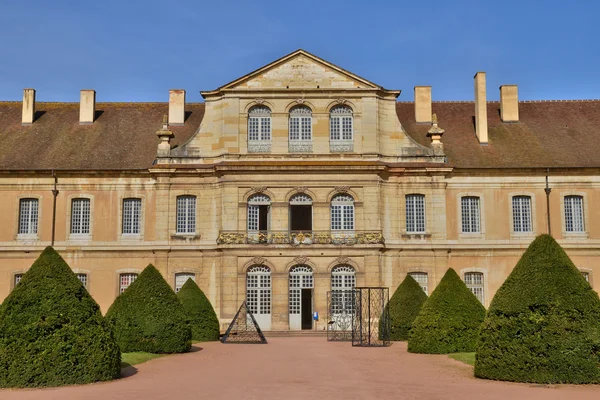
132 216
83 278
300 277
300 130
82 216
415 207
459 210
343 279
259 290
254 202
341 129
17 278
29 212
478 289
342 213
185 214
578 224
422 278
522 214
588 275
259 129
128 278
181 278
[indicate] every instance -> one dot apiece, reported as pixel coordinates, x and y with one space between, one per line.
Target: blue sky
129 50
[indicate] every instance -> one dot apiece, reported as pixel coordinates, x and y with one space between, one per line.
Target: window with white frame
132 216
521 210
301 277
300 123
343 281
83 278
422 279
470 213
182 278
415 213
342 213
340 124
186 214
80 216
17 278
474 281
259 123
125 280
574 214
28 216
258 290
258 212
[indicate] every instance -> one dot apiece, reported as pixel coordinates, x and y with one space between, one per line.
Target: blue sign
316 316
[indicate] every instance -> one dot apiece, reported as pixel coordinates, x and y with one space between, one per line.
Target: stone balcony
297 238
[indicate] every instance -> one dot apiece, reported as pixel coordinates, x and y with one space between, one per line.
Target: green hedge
404 306
199 311
543 324
148 317
448 321
52 332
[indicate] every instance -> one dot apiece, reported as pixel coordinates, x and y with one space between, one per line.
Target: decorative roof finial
165 122
435 133
434 120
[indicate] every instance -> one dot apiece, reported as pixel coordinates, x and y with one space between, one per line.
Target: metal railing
301 237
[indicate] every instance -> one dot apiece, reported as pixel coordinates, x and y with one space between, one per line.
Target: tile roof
122 137
549 134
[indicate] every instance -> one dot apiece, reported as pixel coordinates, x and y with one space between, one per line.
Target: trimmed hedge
448 321
52 332
543 325
404 306
200 313
148 317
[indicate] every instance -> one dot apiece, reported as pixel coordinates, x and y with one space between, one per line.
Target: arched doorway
343 282
301 297
258 295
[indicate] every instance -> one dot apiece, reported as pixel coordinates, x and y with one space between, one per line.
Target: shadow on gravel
195 349
128 370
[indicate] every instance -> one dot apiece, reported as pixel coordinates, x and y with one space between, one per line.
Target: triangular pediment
300 70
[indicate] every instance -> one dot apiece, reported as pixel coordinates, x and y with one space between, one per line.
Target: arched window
258 294
342 213
343 281
301 218
258 212
300 130
259 130
341 133
474 281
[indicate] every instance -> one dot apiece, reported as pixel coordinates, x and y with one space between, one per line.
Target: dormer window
341 134
300 130
259 130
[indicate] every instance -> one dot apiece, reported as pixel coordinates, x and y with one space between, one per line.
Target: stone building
297 179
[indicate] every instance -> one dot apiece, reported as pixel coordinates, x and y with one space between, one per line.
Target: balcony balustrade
301 237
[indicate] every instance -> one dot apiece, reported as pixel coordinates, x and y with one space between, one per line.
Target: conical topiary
543 324
52 332
200 313
448 321
404 306
148 317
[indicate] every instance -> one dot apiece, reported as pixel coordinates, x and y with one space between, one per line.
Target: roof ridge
498 101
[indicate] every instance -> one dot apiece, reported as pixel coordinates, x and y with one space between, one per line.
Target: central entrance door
301 297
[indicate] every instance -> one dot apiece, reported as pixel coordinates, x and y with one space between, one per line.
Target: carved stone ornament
342 260
300 189
301 260
259 260
259 101
341 101
258 189
300 101
342 189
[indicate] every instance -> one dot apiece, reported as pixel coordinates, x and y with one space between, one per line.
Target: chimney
509 103
481 128
28 106
176 106
423 104
87 107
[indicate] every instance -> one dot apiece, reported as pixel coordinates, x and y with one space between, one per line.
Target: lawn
138 357
467 358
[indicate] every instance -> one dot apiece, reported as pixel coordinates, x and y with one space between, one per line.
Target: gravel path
304 368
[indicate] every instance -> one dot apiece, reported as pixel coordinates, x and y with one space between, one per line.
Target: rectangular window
422 280
306 133
334 126
181 279
186 214
342 217
470 214
28 216
521 206
574 214
132 215
253 212
18 278
83 279
253 128
294 128
415 213
80 217
126 280
474 281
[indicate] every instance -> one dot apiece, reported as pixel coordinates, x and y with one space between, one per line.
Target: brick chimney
481 128
509 103
28 106
423 104
176 107
87 107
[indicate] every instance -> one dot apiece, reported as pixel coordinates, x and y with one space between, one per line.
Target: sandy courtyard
304 368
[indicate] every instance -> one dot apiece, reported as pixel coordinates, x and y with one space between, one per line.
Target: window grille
254 204
258 289
474 281
301 277
186 214
80 216
126 280
300 123
28 216
342 213
522 214
574 214
18 278
415 213
301 199
586 276
132 215
259 123
343 281
470 214
340 123
83 278
422 280
181 279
